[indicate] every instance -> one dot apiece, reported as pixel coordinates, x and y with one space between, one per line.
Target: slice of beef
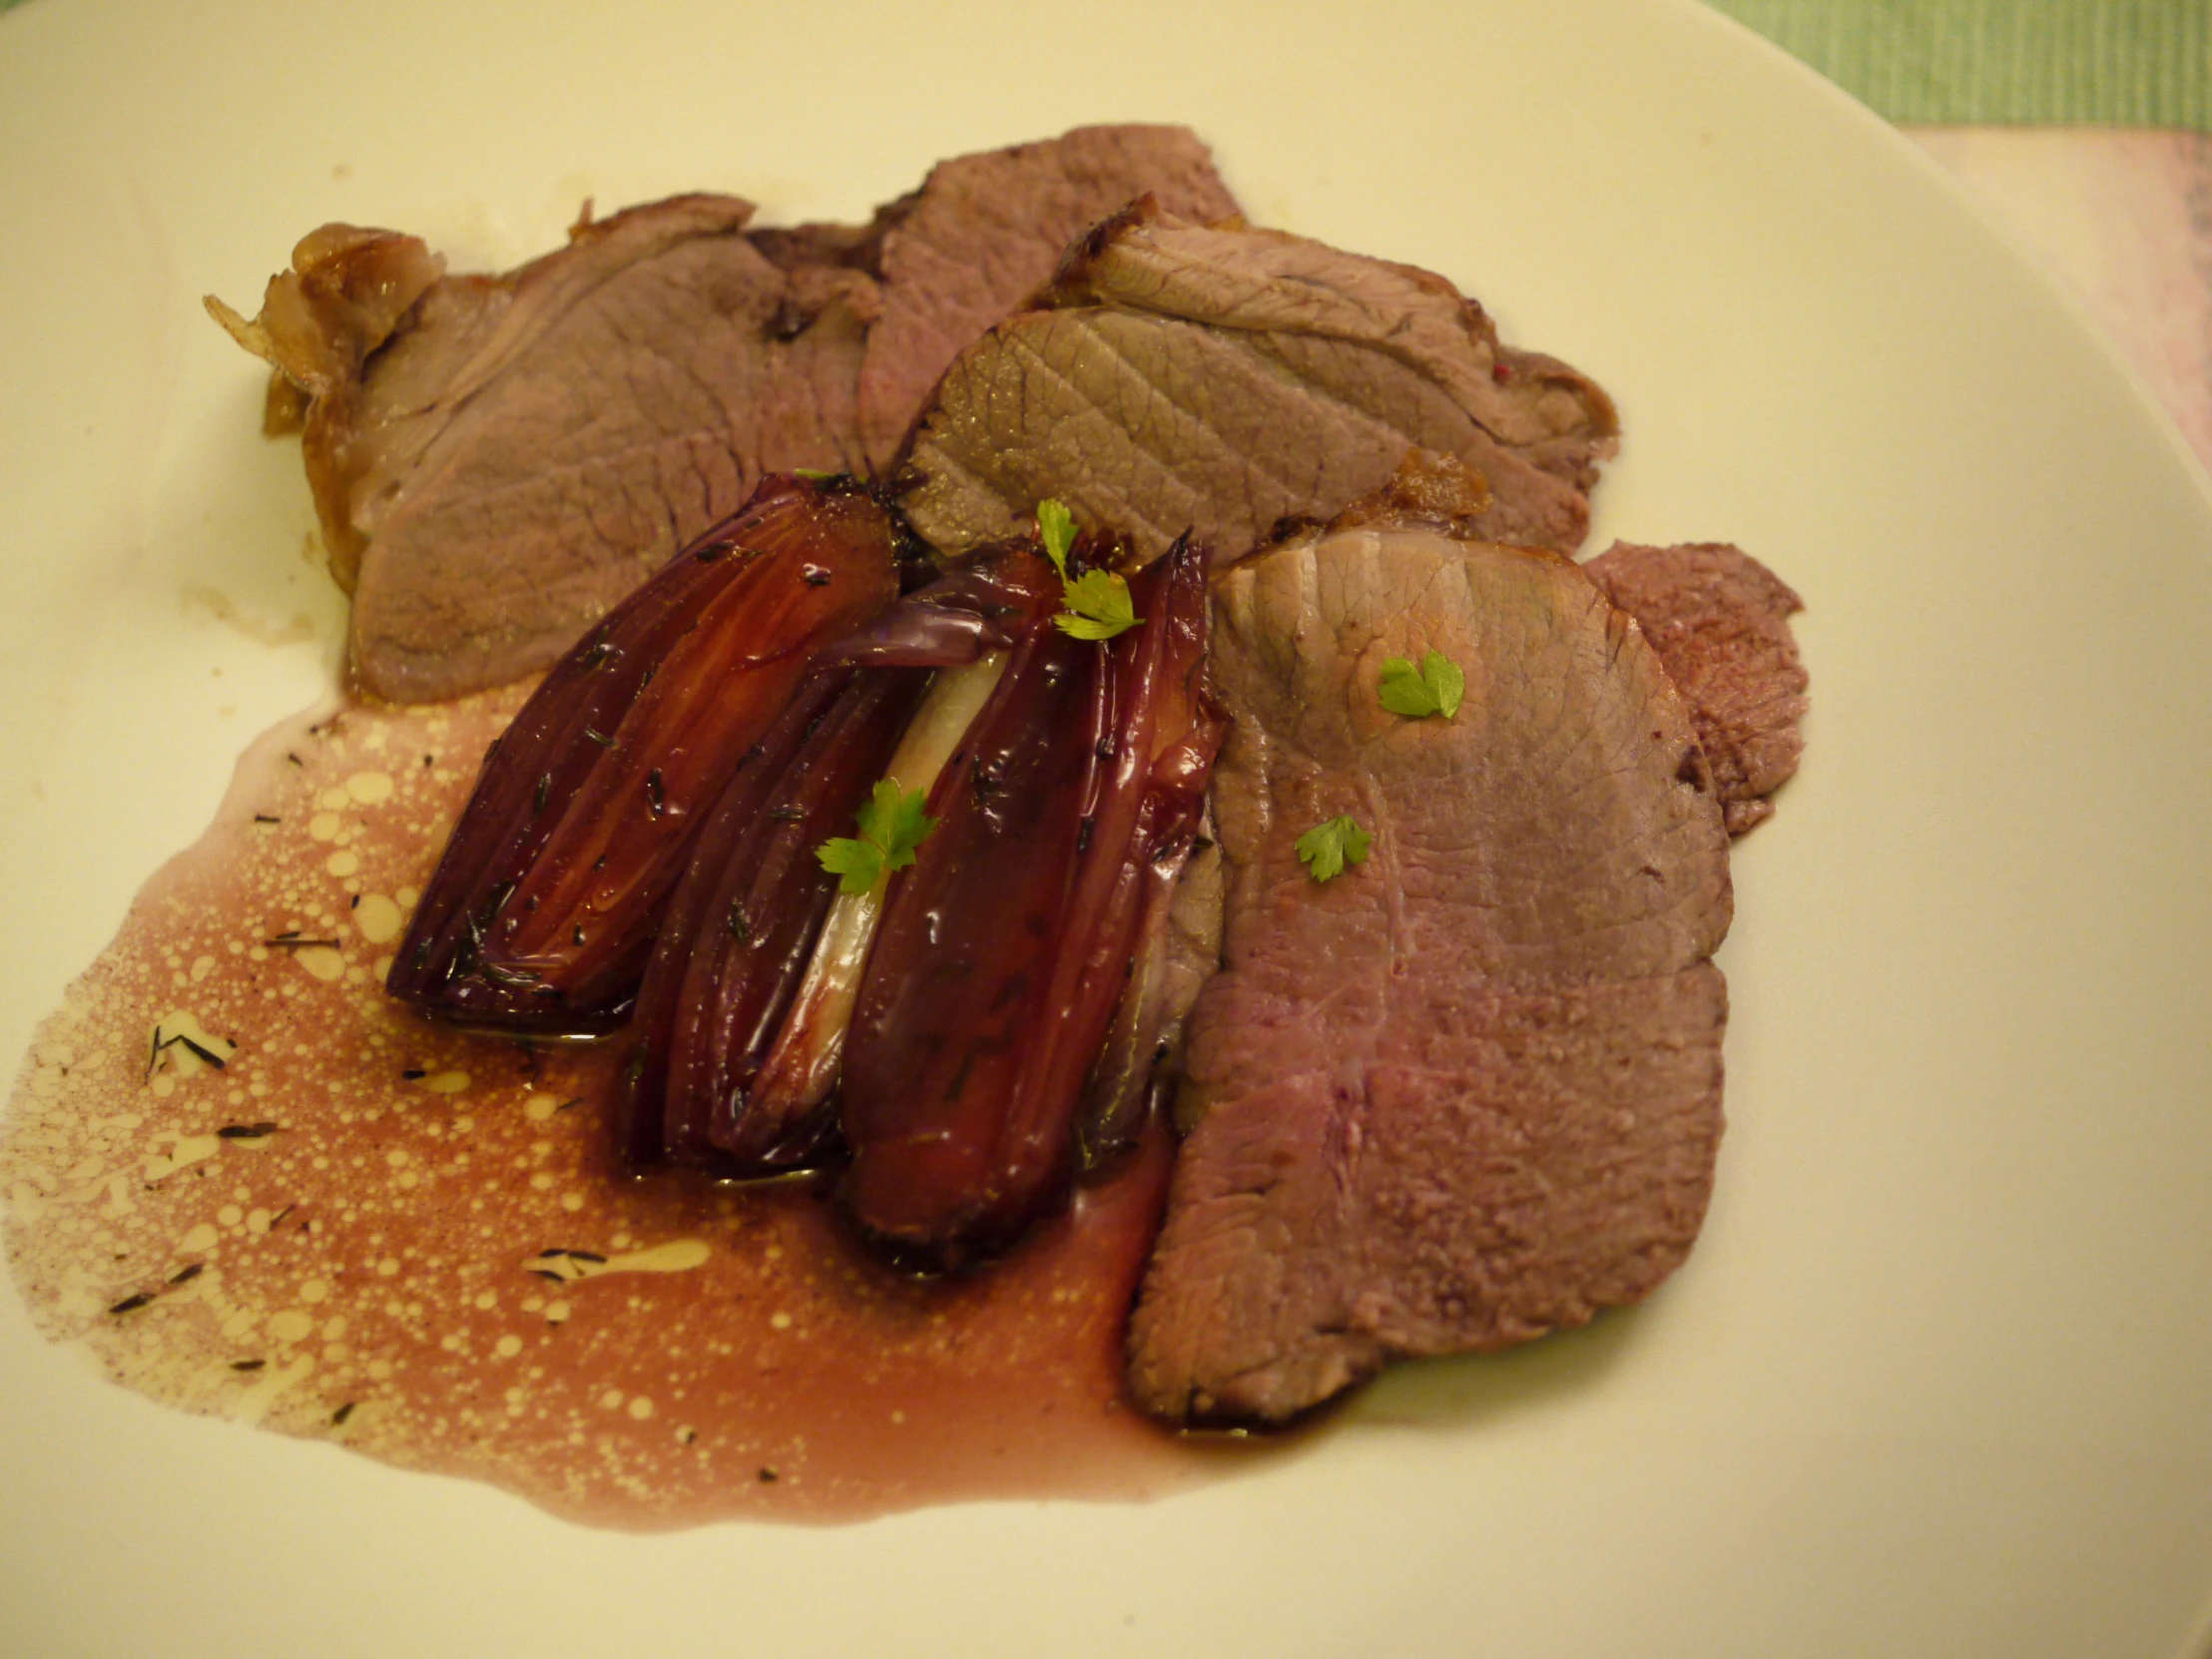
527 449
496 460
985 231
1221 378
1720 622
1469 1091
515 453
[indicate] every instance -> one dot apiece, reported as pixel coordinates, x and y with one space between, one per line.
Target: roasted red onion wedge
983 605
544 907
641 1126
1128 1083
1002 955
742 928
741 931
955 987
802 1070
1152 798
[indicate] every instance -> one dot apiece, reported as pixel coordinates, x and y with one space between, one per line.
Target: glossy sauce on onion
253 1186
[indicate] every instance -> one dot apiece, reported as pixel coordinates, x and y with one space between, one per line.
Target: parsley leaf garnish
1435 688
1057 527
1327 848
1098 602
891 826
1099 607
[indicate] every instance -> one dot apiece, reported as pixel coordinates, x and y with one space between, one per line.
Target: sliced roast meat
1720 622
520 451
496 460
1219 380
1467 1091
527 449
985 231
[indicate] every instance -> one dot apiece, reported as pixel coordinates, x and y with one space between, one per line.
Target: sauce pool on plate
255 1186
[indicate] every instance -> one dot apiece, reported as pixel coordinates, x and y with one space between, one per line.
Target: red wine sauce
255 1186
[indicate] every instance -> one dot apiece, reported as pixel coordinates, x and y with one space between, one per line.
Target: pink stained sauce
364 1256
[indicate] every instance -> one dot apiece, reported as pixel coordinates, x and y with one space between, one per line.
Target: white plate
1940 1378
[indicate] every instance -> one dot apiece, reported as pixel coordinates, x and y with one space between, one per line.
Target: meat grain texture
1220 378
1468 1092
496 460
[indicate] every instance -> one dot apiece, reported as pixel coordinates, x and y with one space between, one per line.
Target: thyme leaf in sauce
205 1056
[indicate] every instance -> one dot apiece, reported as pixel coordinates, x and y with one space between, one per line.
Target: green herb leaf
1098 603
891 826
1327 848
814 476
1436 688
1099 606
1056 527
895 823
857 862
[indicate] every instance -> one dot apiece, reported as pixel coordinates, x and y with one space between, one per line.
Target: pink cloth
2125 217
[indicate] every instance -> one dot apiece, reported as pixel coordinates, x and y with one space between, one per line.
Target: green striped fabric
2122 63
